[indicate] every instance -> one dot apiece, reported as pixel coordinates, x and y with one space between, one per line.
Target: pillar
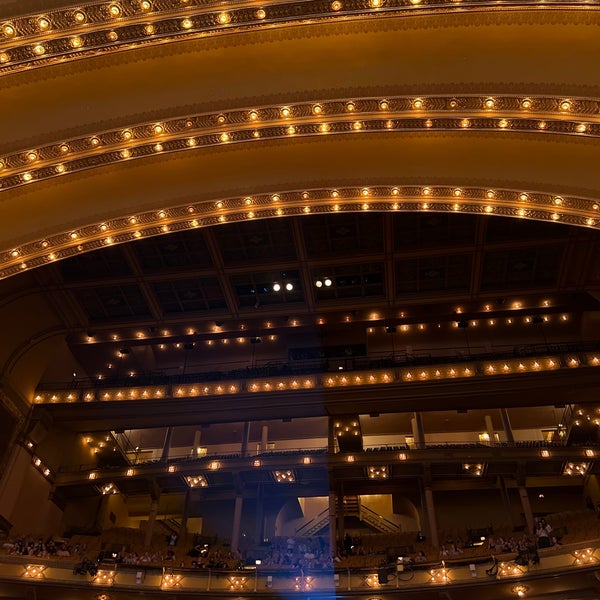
433 531
340 529
506 500
197 437
332 527
489 427
508 432
237 521
417 430
184 515
259 527
245 440
526 508
151 520
167 444
264 437
330 437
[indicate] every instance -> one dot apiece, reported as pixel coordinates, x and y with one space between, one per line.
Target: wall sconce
302 584
34 571
441 576
237 583
510 569
584 556
520 590
103 577
170 580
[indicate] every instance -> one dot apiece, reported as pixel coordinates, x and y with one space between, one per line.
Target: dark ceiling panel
189 295
174 251
501 229
109 262
253 241
340 234
118 301
432 230
523 267
433 274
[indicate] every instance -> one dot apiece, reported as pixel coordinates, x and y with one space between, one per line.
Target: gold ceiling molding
520 114
515 203
66 34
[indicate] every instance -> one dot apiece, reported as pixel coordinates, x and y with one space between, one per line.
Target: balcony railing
396 369
568 562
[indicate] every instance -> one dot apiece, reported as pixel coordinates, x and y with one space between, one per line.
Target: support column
184 515
237 520
245 440
489 427
332 527
151 521
510 438
341 531
417 430
259 526
197 437
264 437
330 437
433 531
167 445
526 508
506 500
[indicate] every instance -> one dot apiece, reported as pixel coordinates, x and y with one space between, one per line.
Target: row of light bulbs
30 166
443 107
320 320
468 200
70 34
90 338
569 468
354 379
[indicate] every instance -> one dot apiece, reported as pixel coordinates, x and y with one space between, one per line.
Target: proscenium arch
509 54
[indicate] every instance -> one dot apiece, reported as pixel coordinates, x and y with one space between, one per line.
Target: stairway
352 508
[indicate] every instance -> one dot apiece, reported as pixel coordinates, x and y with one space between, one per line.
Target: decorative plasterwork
577 117
92 29
514 203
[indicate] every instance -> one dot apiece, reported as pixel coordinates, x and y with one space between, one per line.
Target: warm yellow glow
8 29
